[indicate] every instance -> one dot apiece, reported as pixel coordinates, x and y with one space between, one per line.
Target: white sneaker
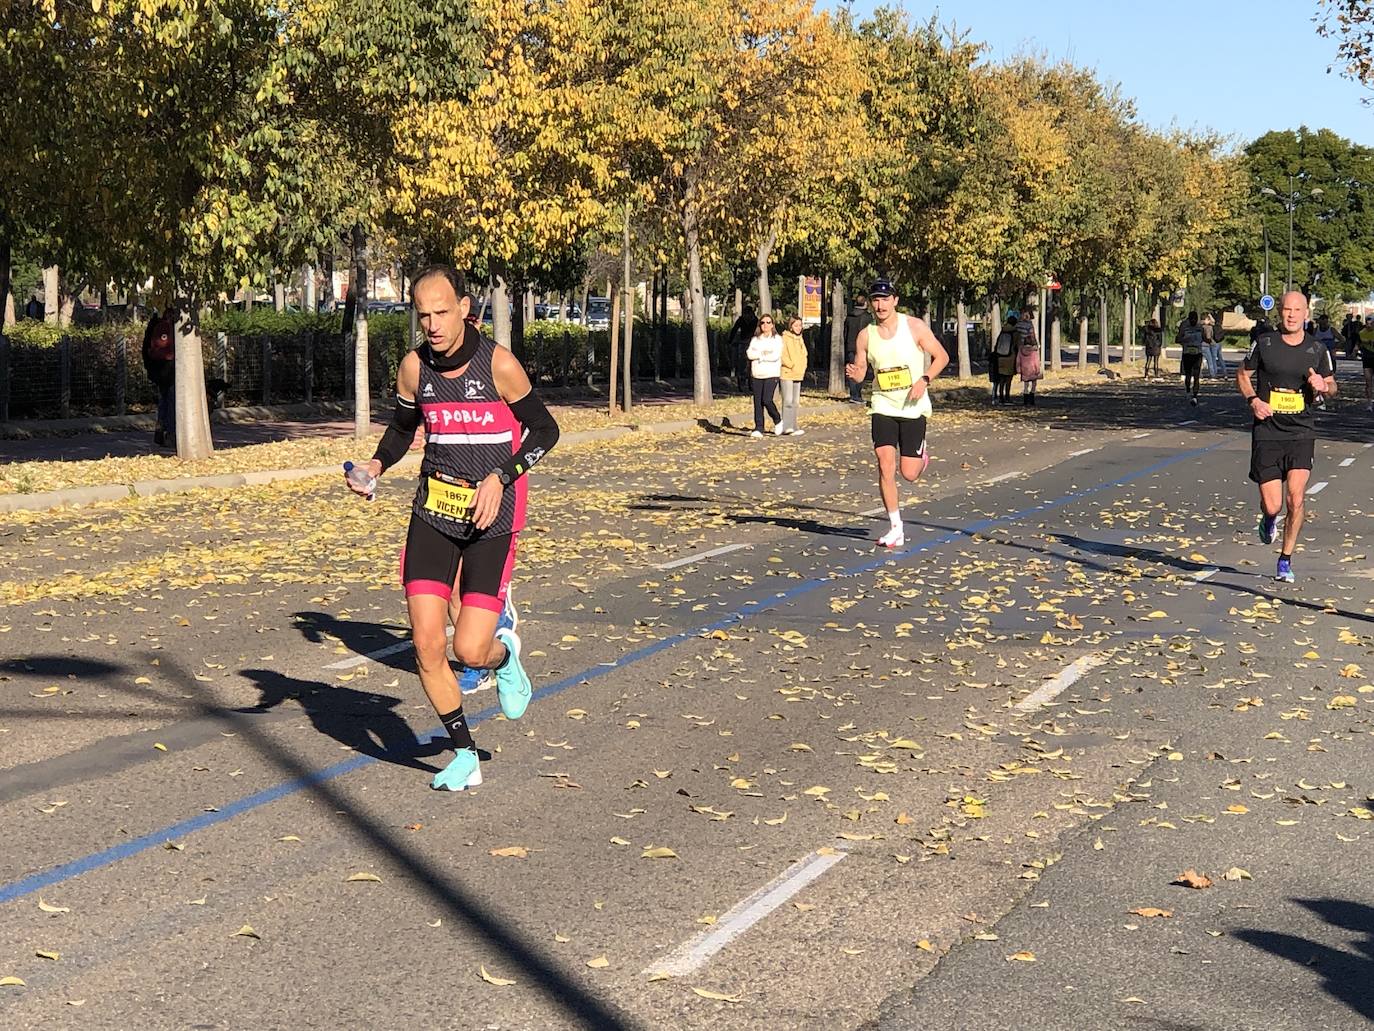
796 433
778 431
894 538
756 433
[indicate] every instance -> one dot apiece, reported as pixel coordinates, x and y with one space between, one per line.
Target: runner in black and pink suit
484 428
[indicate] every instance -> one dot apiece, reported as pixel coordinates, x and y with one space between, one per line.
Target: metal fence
86 375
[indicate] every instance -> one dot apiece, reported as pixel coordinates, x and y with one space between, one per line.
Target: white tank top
897 364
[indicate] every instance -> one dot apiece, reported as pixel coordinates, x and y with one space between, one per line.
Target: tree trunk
362 393
192 412
308 289
327 265
739 302
500 311
7 318
761 263
279 296
701 344
1083 340
1127 327
615 348
961 339
837 386
1103 359
52 300
995 310
629 312
1056 342
519 319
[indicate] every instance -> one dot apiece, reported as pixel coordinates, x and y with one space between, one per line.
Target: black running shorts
479 567
1190 363
908 436
1275 459
1367 357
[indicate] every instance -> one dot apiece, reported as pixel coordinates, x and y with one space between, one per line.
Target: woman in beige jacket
793 371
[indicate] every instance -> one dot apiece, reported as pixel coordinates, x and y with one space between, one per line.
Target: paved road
1065 690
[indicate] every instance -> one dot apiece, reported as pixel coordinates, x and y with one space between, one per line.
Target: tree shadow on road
805 525
360 720
1348 974
359 637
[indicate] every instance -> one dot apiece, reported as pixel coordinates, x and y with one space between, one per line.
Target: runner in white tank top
906 356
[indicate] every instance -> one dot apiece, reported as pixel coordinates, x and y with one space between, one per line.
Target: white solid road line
1346 462
1140 436
391 649
693 953
1205 574
1047 692
1085 451
880 510
687 559
1004 476
1317 488
1190 422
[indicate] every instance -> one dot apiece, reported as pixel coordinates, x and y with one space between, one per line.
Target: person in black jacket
855 322
159 360
737 343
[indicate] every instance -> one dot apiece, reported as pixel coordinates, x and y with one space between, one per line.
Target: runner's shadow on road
1348 973
1137 552
360 720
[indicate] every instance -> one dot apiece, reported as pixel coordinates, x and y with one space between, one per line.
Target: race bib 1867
452 499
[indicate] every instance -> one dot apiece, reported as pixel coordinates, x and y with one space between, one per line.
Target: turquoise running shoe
512 682
1284 572
462 773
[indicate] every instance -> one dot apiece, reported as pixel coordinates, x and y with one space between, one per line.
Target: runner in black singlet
484 428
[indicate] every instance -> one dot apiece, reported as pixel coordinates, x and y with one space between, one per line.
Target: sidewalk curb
31 429
75 497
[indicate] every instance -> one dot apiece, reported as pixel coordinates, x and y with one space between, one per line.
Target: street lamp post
1290 201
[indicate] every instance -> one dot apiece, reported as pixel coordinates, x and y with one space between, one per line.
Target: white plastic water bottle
360 478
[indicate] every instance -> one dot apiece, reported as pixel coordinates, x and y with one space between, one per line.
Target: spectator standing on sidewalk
793 372
765 356
1211 342
858 319
737 342
1002 360
1153 336
159 361
1027 358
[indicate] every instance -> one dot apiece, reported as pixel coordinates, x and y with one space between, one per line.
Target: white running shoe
756 433
778 431
796 433
894 538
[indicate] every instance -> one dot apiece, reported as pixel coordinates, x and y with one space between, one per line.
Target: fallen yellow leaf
491 979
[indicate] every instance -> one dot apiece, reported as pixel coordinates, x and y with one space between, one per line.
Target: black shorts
480 567
1191 363
908 436
1367 357
1275 459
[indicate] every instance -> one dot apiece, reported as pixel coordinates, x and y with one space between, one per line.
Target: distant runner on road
906 356
485 427
1280 379
1191 338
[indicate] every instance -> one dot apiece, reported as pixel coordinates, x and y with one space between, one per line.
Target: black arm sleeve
405 420
541 434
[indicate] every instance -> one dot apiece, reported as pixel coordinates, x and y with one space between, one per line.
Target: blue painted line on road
94 861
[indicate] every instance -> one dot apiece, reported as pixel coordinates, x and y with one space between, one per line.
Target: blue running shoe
470 679
510 618
512 682
463 772
1284 574
1266 528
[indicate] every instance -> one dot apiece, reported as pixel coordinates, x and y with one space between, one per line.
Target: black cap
882 288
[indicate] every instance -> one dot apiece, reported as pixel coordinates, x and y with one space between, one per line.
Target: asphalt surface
879 775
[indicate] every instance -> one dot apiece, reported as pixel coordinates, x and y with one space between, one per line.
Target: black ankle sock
1285 558
506 658
456 723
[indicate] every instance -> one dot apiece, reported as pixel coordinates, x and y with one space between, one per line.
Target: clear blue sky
1240 67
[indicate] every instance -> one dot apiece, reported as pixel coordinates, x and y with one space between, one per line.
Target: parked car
598 313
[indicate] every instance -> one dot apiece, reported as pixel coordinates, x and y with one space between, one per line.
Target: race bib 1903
1289 402
893 379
